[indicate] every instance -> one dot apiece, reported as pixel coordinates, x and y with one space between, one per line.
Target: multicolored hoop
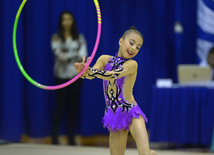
78 75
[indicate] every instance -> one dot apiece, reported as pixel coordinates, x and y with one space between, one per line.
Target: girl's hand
80 65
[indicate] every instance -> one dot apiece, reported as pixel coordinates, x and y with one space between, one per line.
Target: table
183 115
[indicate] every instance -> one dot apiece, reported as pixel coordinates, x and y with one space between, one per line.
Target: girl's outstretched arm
102 60
97 71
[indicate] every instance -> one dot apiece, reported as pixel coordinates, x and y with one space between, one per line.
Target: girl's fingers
83 59
76 64
81 66
87 59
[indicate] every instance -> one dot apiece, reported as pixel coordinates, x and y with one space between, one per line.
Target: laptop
194 75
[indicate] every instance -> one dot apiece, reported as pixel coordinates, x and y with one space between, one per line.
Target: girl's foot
152 152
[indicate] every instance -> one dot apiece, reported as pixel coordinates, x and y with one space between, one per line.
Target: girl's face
130 45
67 21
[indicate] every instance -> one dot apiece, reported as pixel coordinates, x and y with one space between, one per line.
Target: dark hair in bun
131 30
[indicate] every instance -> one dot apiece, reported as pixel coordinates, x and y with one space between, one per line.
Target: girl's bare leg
117 142
139 133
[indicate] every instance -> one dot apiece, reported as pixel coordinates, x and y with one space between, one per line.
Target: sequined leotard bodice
114 88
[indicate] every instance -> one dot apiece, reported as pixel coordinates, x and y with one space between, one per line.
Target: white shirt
66 54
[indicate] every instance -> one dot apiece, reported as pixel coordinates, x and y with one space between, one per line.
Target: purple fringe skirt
121 119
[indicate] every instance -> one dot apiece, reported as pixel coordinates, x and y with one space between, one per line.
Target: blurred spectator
68 46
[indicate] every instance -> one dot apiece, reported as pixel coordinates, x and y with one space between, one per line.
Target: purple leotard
118 112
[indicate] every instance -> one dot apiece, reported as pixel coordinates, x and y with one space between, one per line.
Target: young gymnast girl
122 114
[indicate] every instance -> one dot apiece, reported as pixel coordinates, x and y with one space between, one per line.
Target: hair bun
132 28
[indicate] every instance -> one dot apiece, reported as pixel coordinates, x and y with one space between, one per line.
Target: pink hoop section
87 64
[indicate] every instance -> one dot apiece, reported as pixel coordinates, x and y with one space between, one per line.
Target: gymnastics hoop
78 75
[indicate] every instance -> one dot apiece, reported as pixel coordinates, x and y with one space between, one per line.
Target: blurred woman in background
68 46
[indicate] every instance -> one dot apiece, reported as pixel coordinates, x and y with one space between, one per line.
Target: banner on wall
205 22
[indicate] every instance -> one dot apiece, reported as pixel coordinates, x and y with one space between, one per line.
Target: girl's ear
120 41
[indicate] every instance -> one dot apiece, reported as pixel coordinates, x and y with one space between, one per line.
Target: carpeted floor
45 149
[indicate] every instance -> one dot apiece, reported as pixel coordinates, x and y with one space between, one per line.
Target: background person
68 46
